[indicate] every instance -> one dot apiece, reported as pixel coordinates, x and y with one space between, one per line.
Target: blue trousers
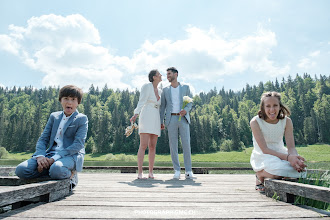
60 169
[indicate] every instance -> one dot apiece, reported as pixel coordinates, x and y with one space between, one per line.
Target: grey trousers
60 169
175 128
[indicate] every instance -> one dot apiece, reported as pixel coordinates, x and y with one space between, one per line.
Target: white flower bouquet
186 100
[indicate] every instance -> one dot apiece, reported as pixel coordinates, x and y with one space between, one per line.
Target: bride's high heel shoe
151 176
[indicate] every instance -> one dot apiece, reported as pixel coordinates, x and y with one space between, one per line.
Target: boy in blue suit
60 148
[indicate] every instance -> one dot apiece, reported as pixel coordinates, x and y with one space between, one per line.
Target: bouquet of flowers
186 100
129 130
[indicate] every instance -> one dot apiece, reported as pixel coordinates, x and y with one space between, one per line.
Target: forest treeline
219 118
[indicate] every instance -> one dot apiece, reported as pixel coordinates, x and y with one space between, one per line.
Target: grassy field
317 157
312 153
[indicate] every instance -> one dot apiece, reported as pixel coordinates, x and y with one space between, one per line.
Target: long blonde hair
284 111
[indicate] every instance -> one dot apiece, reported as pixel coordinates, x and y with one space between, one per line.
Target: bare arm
295 160
289 139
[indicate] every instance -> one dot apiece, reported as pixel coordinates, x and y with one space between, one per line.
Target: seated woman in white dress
149 121
269 158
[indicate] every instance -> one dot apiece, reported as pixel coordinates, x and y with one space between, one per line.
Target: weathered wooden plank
223 189
10 195
168 178
97 212
15 181
292 188
7 171
152 196
294 218
195 199
169 203
163 194
234 208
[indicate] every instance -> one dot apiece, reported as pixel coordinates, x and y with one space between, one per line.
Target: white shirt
176 99
58 146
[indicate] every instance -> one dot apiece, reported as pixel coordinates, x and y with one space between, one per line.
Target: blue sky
212 43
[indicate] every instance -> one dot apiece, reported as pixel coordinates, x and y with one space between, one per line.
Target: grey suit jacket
167 105
75 132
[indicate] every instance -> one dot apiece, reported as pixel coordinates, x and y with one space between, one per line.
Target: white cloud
68 50
8 44
139 80
306 63
314 54
205 53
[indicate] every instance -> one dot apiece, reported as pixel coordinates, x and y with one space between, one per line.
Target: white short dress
148 110
273 134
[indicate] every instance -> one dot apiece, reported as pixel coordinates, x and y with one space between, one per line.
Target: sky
212 43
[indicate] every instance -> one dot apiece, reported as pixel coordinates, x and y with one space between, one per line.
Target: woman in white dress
149 120
269 158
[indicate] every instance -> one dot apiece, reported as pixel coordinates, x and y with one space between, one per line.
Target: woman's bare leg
152 153
263 174
144 139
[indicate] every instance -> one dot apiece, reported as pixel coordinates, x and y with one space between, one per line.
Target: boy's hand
43 162
40 169
50 161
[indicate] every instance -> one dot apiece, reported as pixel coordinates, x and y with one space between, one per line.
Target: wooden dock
210 196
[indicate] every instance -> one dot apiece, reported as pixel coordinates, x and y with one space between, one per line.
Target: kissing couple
171 105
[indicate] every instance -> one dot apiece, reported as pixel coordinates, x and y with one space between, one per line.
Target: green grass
315 153
317 157
312 153
19 156
319 180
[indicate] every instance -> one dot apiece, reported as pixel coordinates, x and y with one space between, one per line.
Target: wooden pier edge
286 191
46 191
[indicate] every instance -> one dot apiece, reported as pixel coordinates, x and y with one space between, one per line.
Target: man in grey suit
60 148
170 109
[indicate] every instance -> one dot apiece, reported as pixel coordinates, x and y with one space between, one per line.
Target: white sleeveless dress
148 110
273 134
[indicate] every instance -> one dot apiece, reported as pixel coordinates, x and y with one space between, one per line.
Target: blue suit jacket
167 105
74 136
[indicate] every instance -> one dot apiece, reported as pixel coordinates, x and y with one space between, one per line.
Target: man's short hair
173 69
71 91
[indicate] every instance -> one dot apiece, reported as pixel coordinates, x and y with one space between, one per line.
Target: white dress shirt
176 99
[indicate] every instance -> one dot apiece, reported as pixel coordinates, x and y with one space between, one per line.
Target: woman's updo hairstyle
152 74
